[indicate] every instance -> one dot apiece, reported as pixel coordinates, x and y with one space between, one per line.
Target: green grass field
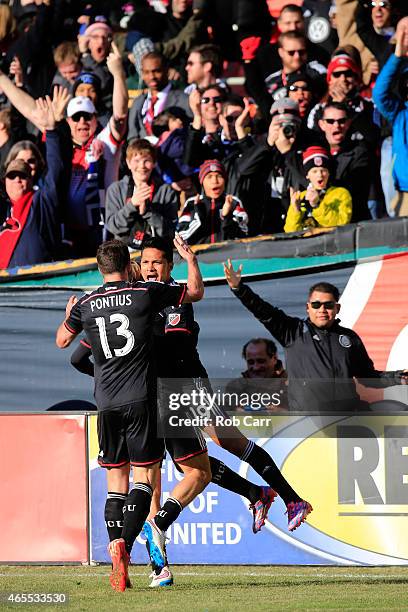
215 588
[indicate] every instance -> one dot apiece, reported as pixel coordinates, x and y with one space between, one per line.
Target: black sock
224 477
114 514
168 513
135 510
263 463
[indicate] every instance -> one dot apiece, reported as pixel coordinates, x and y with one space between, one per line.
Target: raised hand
227 206
43 114
295 200
71 302
401 36
183 248
60 99
194 101
134 272
241 119
16 70
114 60
233 276
312 196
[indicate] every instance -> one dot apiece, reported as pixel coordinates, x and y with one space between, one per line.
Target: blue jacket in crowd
41 237
395 110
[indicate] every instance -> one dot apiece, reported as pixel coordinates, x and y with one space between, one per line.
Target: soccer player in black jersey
118 320
176 335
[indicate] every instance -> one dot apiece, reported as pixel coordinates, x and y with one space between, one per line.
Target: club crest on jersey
345 341
174 319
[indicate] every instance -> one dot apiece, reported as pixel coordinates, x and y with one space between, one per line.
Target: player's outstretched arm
195 285
233 276
64 336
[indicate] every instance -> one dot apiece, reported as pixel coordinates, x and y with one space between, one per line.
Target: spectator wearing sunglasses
228 139
353 165
31 155
294 56
344 86
376 21
204 68
30 219
322 357
321 205
300 88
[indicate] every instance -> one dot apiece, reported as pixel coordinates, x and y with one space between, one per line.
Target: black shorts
183 441
128 434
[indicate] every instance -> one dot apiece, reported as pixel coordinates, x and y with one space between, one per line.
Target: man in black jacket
322 357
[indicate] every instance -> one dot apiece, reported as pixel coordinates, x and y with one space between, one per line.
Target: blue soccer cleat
156 544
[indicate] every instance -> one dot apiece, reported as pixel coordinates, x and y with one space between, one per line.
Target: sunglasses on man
81 114
207 99
300 52
347 73
380 4
341 121
299 88
329 305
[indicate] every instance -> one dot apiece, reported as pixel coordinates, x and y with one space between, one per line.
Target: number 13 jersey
118 321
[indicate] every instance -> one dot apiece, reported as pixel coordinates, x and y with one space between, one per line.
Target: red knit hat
315 157
342 62
211 165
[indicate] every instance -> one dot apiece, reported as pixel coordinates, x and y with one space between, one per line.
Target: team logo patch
174 319
318 161
345 341
318 30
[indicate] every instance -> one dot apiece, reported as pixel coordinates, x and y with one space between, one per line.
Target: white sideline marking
215 574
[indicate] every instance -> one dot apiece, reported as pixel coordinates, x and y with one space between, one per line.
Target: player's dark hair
325 288
271 348
161 244
112 256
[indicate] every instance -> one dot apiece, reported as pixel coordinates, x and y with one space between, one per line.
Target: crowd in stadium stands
221 119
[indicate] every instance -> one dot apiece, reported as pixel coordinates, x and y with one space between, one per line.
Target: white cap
80 104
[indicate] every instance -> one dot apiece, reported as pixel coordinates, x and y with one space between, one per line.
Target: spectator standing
321 205
203 68
160 95
95 46
30 220
140 206
67 59
317 347
214 215
395 109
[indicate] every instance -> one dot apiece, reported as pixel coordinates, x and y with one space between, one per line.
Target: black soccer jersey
175 337
118 321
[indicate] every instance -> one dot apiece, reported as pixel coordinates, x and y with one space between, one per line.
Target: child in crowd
213 215
140 205
319 205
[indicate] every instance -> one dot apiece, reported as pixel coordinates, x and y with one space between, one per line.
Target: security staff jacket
321 363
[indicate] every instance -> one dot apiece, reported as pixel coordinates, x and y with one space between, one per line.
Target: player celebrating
118 320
